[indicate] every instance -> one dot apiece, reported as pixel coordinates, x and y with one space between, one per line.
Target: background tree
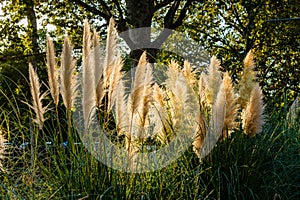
128 14
226 28
18 42
231 28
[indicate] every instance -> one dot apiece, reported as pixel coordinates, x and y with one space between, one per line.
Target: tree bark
139 17
32 26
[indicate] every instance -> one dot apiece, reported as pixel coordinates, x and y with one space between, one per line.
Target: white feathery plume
216 123
2 148
68 82
110 51
212 80
88 74
37 97
121 109
53 70
247 80
114 79
157 114
140 96
252 116
231 106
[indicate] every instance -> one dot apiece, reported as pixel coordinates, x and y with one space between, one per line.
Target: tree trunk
32 26
139 15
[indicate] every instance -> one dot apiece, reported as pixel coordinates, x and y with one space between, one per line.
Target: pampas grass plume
98 69
52 69
2 147
37 97
158 114
141 91
121 109
247 81
110 51
252 117
218 113
189 74
68 75
114 79
86 43
88 73
231 106
201 91
212 80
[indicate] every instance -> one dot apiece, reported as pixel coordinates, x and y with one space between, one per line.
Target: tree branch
168 21
92 9
106 8
161 4
229 22
182 14
236 14
116 2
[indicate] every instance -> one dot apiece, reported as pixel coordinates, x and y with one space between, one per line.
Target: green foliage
229 29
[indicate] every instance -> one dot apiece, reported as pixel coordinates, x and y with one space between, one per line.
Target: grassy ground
238 168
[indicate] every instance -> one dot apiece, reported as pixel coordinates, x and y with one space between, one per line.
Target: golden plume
189 74
114 79
88 76
110 51
247 81
37 97
157 115
140 96
231 106
252 116
121 109
52 69
212 80
202 125
218 113
2 148
68 82
99 67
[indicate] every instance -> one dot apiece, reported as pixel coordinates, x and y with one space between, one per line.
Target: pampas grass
252 116
140 96
52 69
247 80
230 106
157 115
88 74
114 79
110 51
293 113
2 148
189 74
178 94
201 91
218 113
86 42
37 97
98 71
121 109
232 168
68 82
111 42
212 80
200 134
